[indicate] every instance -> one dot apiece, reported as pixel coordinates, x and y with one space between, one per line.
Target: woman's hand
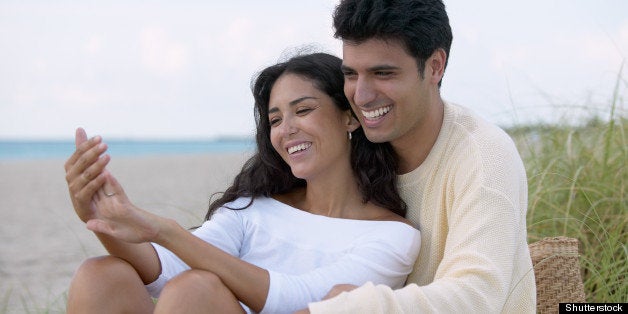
84 173
116 216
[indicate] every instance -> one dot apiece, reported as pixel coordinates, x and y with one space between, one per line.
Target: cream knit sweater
469 200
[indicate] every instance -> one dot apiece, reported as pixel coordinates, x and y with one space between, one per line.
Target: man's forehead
374 53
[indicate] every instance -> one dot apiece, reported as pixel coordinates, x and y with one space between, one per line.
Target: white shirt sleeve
223 230
384 259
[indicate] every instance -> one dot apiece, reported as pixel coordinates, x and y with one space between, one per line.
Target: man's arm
481 264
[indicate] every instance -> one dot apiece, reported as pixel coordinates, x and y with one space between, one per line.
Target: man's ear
435 65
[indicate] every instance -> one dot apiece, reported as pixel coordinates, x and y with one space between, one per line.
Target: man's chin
377 137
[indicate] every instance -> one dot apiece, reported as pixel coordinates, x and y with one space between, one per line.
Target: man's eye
348 74
274 121
383 73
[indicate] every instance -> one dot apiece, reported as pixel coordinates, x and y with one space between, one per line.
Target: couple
461 178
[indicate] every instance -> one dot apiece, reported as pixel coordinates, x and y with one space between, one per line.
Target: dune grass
27 302
577 188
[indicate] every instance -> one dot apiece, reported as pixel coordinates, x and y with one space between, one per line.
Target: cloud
93 45
183 69
161 54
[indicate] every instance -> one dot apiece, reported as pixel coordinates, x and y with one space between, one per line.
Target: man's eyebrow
292 103
382 67
345 68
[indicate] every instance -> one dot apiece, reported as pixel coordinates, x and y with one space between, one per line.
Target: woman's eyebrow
300 99
292 103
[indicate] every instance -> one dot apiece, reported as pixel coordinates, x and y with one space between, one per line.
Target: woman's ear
353 123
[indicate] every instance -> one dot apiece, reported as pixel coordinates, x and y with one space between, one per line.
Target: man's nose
364 92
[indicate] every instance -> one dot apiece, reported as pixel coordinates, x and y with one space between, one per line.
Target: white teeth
374 114
299 147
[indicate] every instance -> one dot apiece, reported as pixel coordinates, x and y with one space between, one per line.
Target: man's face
383 85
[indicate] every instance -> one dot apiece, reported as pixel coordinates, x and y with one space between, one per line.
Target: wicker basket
557 273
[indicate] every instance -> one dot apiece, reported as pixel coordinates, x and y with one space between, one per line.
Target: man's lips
376 113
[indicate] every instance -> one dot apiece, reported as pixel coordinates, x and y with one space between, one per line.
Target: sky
182 69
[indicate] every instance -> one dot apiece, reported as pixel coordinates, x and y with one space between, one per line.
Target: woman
314 207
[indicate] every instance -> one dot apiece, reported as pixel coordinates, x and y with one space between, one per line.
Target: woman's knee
197 291
100 270
195 280
110 284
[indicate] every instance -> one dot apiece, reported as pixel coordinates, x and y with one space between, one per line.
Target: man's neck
414 147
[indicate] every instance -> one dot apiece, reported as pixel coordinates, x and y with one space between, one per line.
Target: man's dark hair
422 26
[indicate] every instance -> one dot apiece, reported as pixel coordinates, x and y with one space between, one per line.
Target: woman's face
307 129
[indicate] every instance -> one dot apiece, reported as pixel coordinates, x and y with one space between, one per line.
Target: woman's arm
119 219
248 282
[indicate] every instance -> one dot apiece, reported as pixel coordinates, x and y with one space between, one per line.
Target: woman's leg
108 284
197 291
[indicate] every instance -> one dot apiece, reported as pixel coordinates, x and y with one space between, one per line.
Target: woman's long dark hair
266 174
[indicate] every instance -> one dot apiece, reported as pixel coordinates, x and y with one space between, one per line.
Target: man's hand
338 289
335 290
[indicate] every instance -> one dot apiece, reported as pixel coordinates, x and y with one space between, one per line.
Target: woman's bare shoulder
384 214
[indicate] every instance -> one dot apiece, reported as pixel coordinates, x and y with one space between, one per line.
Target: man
462 178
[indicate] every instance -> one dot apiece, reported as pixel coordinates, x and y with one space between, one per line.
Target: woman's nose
288 126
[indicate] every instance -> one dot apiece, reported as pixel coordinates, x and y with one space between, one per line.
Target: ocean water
24 150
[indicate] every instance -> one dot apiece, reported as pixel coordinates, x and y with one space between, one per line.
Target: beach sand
42 241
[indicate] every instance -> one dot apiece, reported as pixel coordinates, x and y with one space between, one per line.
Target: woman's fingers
100 226
111 199
113 186
83 185
96 168
85 173
97 225
80 136
90 189
88 158
81 149
88 165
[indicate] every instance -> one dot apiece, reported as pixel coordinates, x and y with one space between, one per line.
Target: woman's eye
303 110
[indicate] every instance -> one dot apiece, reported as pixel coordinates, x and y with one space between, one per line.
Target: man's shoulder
476 143
467 125
480 150
469 120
